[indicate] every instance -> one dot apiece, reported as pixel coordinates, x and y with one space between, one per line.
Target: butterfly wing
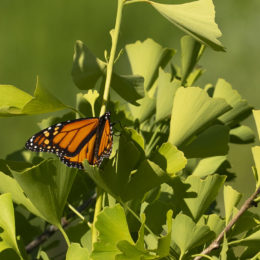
66 138
74 141
104 143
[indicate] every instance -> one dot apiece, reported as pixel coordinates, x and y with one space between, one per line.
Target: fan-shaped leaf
206 191
187 235
165 92
75 251
240 108
196 18
112 227
47 185
231 199
192 110
7 225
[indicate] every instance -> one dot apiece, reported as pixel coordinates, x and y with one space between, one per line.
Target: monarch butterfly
74 141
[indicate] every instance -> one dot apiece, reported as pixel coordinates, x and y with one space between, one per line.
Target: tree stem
110 64
114 37
215 244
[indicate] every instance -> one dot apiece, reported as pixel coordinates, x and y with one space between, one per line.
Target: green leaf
87 69
211 142
256 114
165 93
209 166
195 18
247 221
240 108
128 87
231 199
242 135
145 110
75 251
170 159
256 155
224 250
193 110
112 227
145 59
131 252
215 223
9 184
190 53
164 242
47 186
187 235
12 100
7 225
251 240
42 102
206 190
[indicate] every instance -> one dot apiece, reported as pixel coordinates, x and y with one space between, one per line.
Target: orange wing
74 141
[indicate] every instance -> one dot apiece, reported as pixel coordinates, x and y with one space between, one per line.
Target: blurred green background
37 38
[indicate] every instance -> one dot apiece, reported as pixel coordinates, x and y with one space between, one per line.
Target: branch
52 229
215 244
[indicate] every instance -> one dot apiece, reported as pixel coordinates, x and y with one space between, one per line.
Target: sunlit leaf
47 186
9 184
75 251
206 190
112 227
145 59
256 155
196 18
242 135
209 166
187 235
165 92
170 159
12 100
7 225
251 240
42 102
231 199
190 54
192 110
240 108
164 243
256 114
215 223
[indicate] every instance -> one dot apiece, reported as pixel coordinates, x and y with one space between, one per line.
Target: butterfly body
76 140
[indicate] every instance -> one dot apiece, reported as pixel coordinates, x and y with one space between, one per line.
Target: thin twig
216 243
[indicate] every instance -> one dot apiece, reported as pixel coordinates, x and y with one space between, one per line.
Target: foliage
168 164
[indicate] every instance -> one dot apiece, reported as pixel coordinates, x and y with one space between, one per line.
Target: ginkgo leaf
187 235
12 100
165 92
256 114
52 177
7 225
240 108
75 251
190 53
231 199
192 110
145 59
42 102
112 227
196 18
206 190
